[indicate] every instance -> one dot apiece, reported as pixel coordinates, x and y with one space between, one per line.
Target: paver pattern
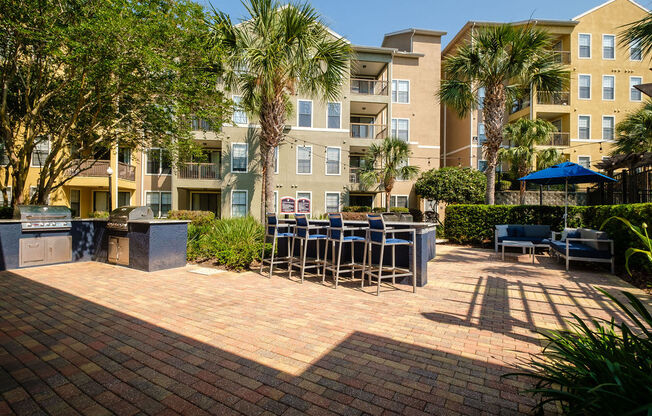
96 339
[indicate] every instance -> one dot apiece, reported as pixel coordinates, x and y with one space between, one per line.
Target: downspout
471 119
445 139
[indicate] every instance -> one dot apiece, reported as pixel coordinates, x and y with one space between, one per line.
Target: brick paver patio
97 339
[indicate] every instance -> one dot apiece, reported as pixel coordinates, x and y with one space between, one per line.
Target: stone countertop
159 221
18 220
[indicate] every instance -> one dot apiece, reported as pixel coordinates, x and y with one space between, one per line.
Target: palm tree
386 161
634 133
639 31
278 52
524 134
506 61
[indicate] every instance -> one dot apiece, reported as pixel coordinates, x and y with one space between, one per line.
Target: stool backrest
377 223
302 224
336 223
272 223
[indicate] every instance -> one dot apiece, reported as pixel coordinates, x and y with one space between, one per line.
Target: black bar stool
302 233
272 231
337 239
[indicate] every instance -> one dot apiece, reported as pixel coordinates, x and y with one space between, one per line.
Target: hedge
195 217
475 224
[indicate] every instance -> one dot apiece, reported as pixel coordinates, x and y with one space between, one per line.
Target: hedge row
475 224
195 217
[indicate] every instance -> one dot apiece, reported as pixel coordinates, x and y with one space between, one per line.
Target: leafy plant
641 232
599 369
196 217
98 214
634 132
452 185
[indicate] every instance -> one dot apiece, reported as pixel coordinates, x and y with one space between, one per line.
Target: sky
364 22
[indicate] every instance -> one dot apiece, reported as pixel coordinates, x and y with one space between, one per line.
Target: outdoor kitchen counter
425 245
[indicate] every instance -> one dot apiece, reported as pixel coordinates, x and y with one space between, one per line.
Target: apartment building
603 73
389 92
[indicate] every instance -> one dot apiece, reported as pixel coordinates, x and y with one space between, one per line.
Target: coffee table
525 245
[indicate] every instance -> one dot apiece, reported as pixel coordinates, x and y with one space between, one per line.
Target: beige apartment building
601 90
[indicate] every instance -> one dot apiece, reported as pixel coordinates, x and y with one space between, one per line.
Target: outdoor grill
43 217
119 218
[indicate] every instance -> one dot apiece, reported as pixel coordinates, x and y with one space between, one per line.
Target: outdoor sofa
583 244
539 235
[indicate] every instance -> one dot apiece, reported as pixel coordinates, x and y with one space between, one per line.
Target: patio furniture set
378 243
576 244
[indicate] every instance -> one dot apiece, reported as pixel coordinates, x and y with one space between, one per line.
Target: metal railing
199 171
354 175
558 138
197 124
368 130
553 98
97 168
561 57
369 86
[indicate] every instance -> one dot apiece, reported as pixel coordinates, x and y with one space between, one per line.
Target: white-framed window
158 161
398 201
333 159
634 94
608 87
159 202
401 129
608 127
75 202
124 155
334 115
304 160
584 40
239 114
124 199
584 85
401 91
481 94
304 113
100 201
332 202
584 161
608 47
239 158
41 151
584 127
239 203
276 159
635 51
2 201
482 137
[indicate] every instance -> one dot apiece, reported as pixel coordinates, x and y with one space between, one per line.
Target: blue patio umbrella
565 173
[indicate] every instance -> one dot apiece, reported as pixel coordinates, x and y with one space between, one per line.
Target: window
332 160
159 202
584 161
124 199
276 159
634 94
304 160
585 87
205 201
584 127
305 113
482 165
2 201
400 91
200 124
608 123
635 52
158 162
75 203
608 87
332 201
398 201
481 135
608 47
4 158
481 93
41 151
400 128
585 45
334 115
100 201
124 155
239 115
239 204
239 159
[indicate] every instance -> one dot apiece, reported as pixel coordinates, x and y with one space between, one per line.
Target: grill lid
124 214
42 212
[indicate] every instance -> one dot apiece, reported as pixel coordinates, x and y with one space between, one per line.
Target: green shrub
6 213
503 185
355 208
233 243
453 185
98 214
400 210
597 368
196 217
378 209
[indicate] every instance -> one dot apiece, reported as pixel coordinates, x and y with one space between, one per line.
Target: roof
579 16
386 50
625 161
416 31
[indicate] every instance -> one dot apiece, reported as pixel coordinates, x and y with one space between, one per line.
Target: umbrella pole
566 203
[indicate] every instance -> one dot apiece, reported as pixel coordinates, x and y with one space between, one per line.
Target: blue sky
364 22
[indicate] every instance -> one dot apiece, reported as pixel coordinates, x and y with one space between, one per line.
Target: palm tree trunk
521 194
494 113
268 182
388 198
272 122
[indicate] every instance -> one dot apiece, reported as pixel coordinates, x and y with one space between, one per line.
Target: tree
452 185
386 161
79 78
523 135
639 31
508 62
634 133
275 53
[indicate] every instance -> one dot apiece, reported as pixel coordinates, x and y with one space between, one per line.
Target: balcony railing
97 168
558 138
369 86
199 171
368 131
553 98
197 124
562 57
354 175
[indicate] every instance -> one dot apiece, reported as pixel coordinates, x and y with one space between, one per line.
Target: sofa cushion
515 231
501 230
595 235
541 231
534 240
579 250
570 232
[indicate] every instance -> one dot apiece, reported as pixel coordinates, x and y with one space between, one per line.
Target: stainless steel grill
43 217
120 217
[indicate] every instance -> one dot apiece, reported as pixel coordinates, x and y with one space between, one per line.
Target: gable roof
579 16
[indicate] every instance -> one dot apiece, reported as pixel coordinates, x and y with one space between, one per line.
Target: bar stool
302 233
337 238
377 236
272 231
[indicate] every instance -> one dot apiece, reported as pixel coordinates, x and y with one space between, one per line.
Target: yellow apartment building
601 90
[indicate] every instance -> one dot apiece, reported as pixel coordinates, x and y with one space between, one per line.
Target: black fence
632 187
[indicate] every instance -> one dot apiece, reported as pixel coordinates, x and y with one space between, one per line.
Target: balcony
210 171
97 168
369 86
368 131
519 105
562 57
553 98
197 124
558 138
